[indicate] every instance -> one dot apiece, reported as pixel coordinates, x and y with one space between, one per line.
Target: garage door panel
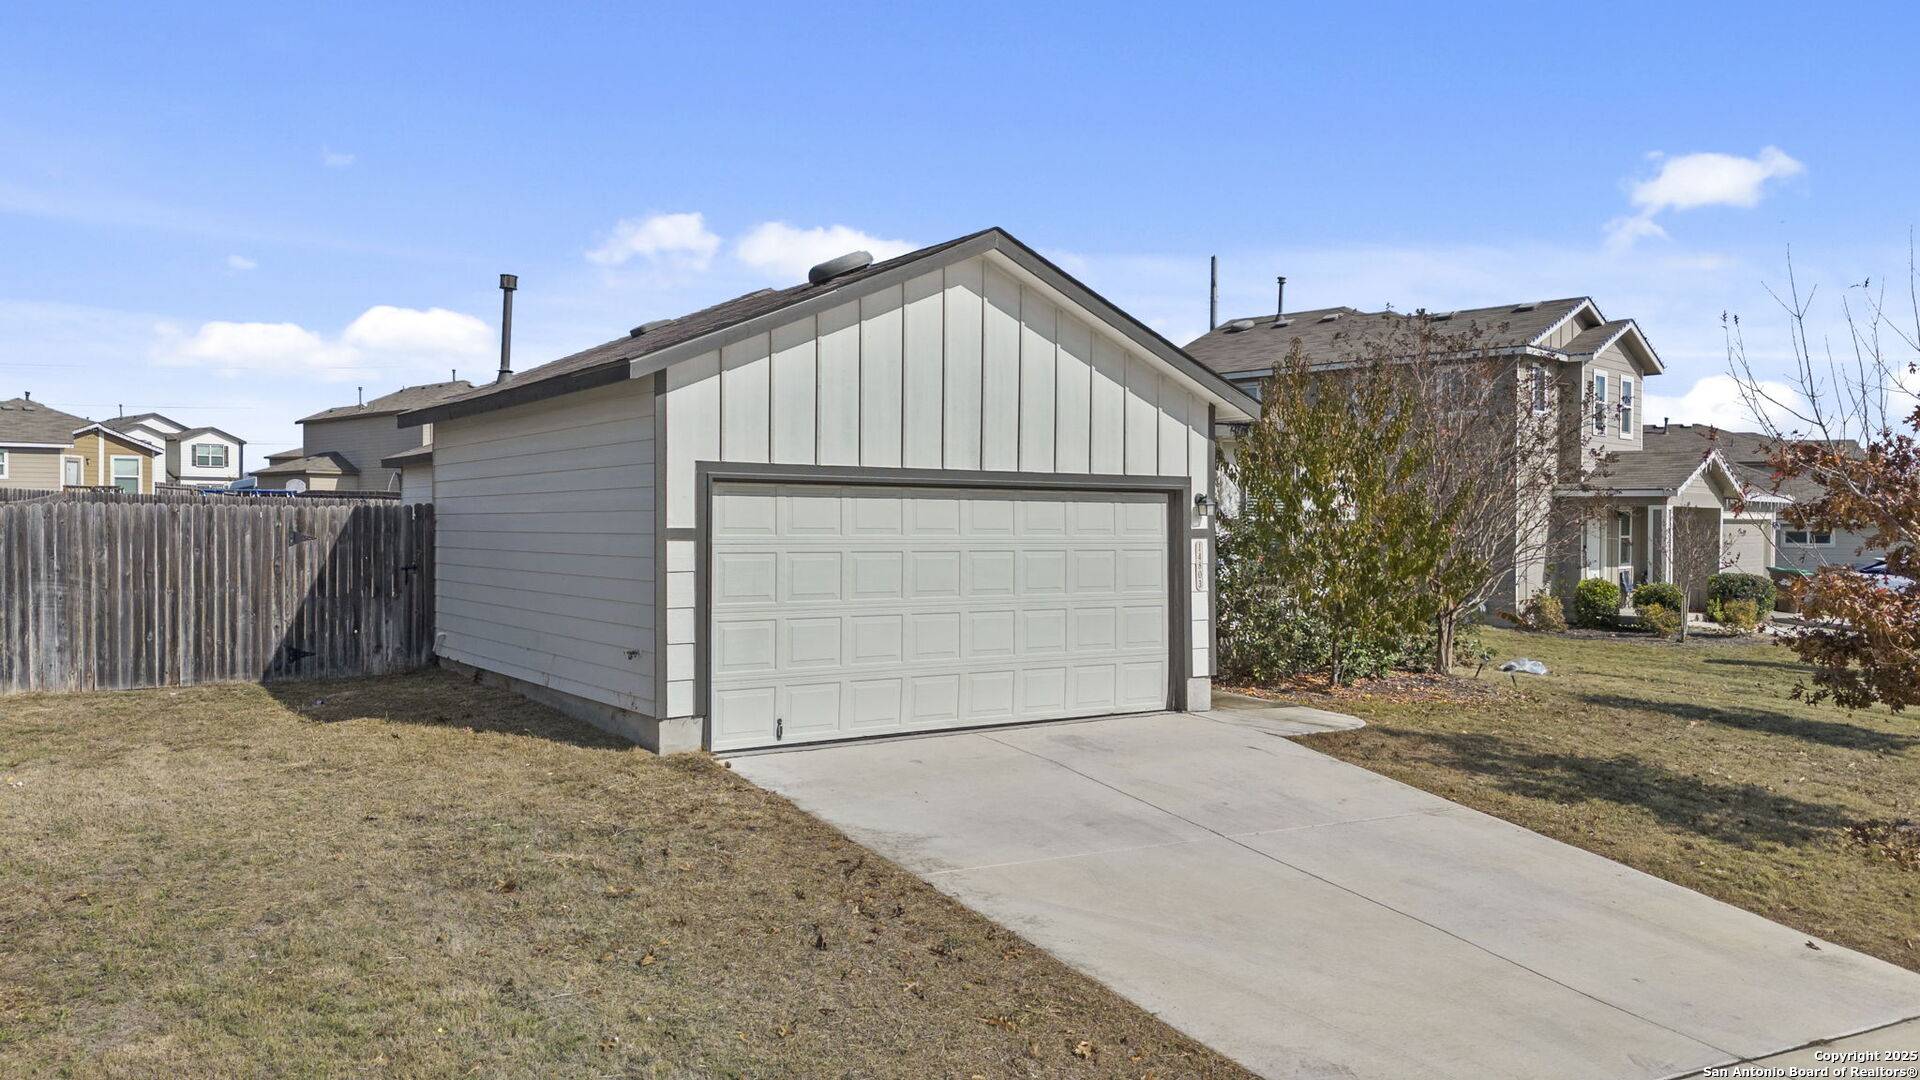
1093 571
742 646
990 573
877 639
812 642
812 709
888 610
933 574
748 577
812 577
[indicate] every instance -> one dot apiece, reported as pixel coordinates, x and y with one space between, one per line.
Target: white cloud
679 238
241 263
1691 181
790 252
384 344
1716 400
335 159
435 331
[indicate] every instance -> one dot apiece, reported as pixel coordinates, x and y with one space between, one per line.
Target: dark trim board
1178 491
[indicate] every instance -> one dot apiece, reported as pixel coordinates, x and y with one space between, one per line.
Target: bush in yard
1755 587
1596 603
1659 618
1664 593
1741 615
1544 613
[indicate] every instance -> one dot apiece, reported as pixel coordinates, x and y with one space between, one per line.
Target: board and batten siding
965 367
545 556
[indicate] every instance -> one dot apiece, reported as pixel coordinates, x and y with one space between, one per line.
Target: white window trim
113 470
1626 406
1806 537
1538 395
1599 403
194 453
4 463
1625 548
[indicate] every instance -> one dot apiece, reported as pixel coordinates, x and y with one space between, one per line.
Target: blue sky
238 215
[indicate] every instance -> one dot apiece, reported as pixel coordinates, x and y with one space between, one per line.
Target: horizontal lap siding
964 367
546 516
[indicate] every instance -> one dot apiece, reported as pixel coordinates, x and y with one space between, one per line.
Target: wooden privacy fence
115 593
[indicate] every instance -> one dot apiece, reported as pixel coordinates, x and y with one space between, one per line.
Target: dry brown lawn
416 876
1691 762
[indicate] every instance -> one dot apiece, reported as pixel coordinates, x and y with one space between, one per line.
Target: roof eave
1224 393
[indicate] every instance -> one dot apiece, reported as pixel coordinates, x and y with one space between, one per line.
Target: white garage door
840 612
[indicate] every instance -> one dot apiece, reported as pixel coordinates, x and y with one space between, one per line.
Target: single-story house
299 471
950 489
42 448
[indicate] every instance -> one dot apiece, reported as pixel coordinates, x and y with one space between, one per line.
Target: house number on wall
1199 566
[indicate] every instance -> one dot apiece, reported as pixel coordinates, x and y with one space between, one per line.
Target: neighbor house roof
1594 338
124 438
1660 470
419 455
665 342
1749 452
288 455
328 463
191 432
1337 333
28 423
409 397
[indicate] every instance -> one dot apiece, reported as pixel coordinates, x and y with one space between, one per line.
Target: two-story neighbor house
347 448
1620 494
201 457
45 449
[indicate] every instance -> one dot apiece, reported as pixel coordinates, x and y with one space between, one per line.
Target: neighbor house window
209 456
1626 538
1626 406
1600 402
126 474
3 464
1540 399
1809 537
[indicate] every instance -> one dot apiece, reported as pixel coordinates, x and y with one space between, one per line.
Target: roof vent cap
1330 318
648 327
845 264
1280 324
1529 306
1440 316
1238 326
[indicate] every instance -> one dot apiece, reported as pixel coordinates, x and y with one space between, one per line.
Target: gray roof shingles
24 421
327 463
671 332
1256 350
408 397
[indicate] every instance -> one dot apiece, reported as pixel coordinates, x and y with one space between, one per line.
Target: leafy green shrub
1545 613
1596 603
1755 587
1659 618
1741 615
1664 593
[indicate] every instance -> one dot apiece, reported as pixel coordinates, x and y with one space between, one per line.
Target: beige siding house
1621 485
954 488
45 449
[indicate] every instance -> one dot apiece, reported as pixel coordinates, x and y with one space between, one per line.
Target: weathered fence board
100 593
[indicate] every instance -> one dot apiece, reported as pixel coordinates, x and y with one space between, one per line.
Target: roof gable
656 346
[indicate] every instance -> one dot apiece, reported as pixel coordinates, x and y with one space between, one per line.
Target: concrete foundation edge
1199 695
672 736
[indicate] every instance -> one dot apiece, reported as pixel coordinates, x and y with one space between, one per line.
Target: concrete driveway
1313 919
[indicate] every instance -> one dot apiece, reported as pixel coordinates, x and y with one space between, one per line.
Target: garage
956 488
844 611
